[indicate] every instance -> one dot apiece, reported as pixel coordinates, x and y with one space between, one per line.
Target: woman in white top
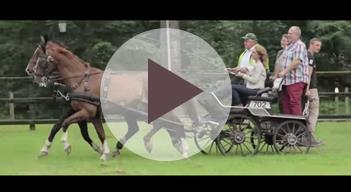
254 77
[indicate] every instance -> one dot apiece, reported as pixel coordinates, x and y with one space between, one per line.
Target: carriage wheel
267 133
207 141
241 136
292 137
224 142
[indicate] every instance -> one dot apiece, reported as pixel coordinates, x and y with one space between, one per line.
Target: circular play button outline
125 92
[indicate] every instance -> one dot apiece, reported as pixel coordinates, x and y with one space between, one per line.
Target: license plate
260 104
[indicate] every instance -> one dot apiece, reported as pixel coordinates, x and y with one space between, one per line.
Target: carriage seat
263 95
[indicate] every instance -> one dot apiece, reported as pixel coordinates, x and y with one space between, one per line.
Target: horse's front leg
97 122
83 125
64 140
81 115
45 149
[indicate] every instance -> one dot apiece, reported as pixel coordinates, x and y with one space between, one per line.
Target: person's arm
252 75
294 64
277 68
310 70
277 65
237 68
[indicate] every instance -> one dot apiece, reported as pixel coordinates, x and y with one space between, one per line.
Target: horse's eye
42 63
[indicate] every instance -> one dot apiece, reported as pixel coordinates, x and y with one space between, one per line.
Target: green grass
19 149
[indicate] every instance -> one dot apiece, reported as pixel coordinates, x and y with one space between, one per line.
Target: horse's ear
44 39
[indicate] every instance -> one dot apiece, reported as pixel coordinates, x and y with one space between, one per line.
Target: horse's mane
62 49
60 44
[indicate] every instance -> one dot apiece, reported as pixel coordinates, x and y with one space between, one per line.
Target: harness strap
86 101
85 79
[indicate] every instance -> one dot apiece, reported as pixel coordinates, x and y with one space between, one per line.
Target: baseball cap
250 36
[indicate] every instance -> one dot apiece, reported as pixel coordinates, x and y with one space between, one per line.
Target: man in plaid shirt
295 70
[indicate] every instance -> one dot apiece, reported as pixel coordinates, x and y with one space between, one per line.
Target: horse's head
52 61
41 65
39 52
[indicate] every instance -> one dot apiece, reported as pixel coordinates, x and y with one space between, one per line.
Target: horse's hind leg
132 129
45 149
147 138
177 135
83 125
97 122
176 132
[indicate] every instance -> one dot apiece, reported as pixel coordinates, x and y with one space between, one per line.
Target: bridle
44 60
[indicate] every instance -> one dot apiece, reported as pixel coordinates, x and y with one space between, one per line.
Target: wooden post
337 100
31 113
11 106
347 99
171 45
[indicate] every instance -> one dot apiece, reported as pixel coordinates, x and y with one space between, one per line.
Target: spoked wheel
267 132
292 137
206 140
223 140
241 136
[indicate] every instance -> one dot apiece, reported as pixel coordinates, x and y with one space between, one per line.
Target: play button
166 91
156 92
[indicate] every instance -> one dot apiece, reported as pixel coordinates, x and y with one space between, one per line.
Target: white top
256 77
245 61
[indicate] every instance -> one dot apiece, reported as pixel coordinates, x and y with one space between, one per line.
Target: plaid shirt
300 74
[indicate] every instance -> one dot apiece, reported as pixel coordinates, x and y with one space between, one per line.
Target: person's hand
273 77
229 69
239 74
282 73
244 70
308 93
233 70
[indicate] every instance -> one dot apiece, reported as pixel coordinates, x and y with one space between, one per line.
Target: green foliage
100 53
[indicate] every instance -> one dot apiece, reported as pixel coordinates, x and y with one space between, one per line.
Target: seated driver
254 76
254 79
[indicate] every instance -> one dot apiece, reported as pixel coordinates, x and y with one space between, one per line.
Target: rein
85 77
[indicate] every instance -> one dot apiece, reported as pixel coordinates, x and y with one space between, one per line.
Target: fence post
337 100
347 99
31 113
11 106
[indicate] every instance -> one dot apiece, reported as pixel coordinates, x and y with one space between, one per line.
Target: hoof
43 154
116 153
185 155
103 157
68 149
148 145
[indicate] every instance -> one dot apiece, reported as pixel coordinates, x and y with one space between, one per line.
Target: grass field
19 149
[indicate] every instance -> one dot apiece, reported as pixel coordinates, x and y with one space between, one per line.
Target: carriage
256 128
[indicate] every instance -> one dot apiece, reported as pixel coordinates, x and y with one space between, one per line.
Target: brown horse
81 78
37 59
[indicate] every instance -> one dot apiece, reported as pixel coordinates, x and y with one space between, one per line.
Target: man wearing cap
250 41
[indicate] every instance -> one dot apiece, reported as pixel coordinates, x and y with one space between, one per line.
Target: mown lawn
19 149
